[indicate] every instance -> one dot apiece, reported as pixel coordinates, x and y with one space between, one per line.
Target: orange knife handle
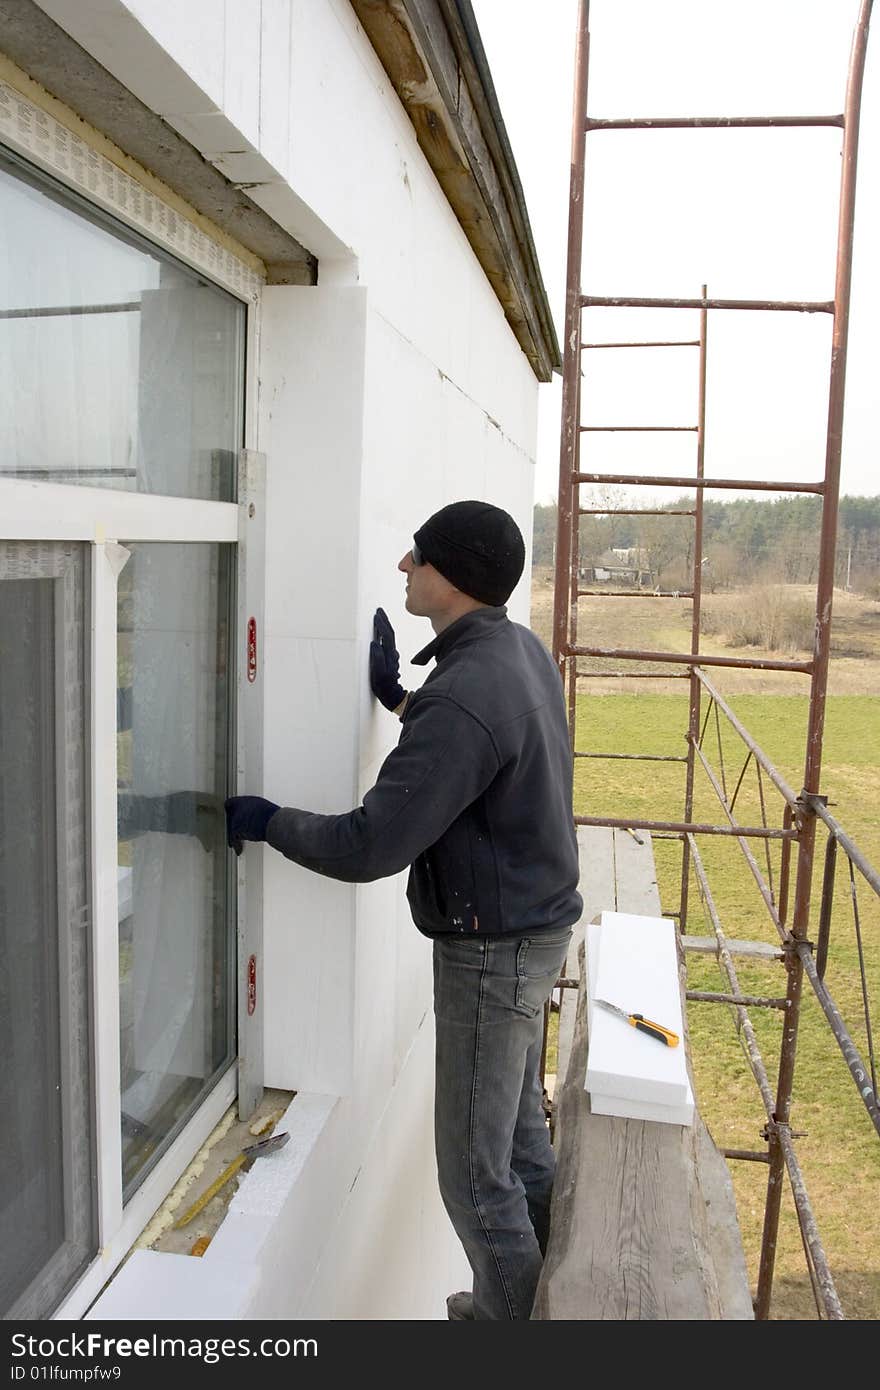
654 1030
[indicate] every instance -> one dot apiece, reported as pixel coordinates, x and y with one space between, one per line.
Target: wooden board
708 946
635 876
643 1220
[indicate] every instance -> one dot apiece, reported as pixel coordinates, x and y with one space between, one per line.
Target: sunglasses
417 556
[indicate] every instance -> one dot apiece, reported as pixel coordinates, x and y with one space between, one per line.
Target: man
476 801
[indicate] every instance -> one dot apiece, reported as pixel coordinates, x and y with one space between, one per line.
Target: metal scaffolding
801 812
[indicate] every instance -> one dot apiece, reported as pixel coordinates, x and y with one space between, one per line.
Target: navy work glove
385 663
246 819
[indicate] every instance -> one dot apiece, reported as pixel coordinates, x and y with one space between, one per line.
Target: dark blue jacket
475 798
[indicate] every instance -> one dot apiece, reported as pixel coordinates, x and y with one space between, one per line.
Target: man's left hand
385 663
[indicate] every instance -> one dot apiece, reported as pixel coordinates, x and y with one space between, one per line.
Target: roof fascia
432 53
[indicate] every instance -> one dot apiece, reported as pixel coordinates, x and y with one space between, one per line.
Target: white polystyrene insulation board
602 1104
642 1109
632 961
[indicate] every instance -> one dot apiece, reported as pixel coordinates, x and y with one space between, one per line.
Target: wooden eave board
415 41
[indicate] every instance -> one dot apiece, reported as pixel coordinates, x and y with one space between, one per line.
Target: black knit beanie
477 547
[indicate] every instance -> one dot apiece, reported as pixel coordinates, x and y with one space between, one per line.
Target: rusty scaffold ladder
801 811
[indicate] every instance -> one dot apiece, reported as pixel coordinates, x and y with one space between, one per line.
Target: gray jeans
494 1159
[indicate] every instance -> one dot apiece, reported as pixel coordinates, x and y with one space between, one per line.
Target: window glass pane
176 946
47 1223
125 367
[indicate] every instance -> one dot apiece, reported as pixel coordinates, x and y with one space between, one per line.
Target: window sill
217 1266
207 1168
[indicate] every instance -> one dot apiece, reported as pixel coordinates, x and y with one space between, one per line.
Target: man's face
428 592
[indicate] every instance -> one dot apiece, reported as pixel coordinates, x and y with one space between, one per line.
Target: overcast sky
752 214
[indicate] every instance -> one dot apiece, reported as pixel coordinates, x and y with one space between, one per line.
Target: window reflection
175 942
125 367
47 1213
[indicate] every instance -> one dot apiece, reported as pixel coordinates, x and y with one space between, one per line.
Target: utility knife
644 1025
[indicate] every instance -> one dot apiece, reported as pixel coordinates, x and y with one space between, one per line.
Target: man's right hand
385 663
247 818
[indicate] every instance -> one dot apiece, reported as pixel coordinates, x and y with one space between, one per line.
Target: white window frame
106 519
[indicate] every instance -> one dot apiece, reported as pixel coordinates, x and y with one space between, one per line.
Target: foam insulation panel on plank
632 961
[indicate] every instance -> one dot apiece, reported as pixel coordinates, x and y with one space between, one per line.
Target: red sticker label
252 985
252 650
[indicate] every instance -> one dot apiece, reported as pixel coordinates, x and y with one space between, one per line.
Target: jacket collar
470 628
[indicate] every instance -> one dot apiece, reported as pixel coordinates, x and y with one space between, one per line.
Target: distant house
619 565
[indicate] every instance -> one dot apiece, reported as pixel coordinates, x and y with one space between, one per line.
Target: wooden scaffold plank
644 1220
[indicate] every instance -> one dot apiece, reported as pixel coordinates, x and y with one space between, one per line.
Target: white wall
311 430
393 387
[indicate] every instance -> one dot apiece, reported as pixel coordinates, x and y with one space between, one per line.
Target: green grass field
840 1153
